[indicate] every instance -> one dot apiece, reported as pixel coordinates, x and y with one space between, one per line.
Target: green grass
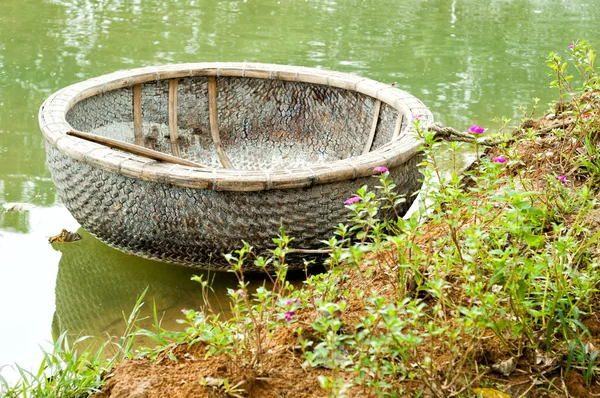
75 369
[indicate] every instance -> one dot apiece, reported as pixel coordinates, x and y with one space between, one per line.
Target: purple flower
475 129
289 315
239 292
380 169
572 46
351 200
562 179
499 159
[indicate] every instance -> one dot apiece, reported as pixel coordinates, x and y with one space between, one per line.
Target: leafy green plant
505 266
581 357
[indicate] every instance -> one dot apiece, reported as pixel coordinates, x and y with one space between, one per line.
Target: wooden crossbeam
132 148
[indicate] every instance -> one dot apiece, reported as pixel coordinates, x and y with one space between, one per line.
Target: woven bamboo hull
193 227
296 149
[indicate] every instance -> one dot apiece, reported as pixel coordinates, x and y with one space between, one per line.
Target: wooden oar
134 149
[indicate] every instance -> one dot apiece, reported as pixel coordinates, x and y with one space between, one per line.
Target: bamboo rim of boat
403 145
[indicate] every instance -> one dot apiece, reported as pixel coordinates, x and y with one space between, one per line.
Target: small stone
142 390
551 116
591 348
505 367
542 360
212 382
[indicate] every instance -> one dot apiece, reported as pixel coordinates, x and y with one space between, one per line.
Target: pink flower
239 292
562 179
572 46
499 159
476 129
586 116
418 116
380 169
289 315
351 200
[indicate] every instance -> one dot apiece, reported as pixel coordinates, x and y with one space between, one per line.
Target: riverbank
491 289
495 292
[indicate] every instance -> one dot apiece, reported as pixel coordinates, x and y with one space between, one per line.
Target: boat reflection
97 284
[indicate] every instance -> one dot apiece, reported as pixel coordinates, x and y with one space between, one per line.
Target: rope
451 134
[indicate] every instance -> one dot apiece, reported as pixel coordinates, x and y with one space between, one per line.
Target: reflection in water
96 284
14 221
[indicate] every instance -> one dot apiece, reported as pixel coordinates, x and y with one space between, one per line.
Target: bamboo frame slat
369 143
173 131
133 149
137 115
398 126
214 122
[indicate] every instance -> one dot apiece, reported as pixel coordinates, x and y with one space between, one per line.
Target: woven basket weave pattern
192 226
264 124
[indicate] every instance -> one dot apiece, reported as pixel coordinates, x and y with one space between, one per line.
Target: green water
468 60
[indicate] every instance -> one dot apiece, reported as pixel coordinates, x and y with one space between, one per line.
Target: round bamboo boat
181 163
